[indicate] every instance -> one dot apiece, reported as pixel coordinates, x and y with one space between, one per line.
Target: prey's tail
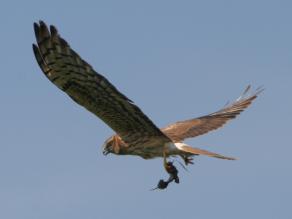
196 151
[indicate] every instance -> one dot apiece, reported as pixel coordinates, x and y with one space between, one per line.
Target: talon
188 160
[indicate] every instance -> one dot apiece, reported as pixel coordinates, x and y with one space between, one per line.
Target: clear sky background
176 60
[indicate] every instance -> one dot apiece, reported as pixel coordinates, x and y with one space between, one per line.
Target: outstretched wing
199 126
68 71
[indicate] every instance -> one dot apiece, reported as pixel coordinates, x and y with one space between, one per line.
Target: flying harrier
135 134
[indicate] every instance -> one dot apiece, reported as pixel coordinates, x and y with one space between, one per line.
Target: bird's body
135 134
145 151
117 146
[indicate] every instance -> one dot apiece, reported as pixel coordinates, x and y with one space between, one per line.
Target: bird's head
112 145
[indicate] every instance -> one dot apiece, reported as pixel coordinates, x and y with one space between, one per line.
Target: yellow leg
165 163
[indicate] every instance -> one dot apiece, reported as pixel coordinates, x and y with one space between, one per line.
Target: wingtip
232 158
43 29
40 30
225 157
244 93
42 23
259 90
34 47
250 94
247 89
53 30
35 24
36 28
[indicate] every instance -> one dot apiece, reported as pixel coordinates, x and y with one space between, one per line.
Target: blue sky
176 60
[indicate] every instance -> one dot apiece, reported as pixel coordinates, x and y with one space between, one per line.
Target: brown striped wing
202 125
68 71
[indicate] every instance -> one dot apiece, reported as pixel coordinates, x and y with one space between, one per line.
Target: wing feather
199 126
68 71
198 151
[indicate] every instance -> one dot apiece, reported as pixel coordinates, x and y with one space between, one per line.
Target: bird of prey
135 134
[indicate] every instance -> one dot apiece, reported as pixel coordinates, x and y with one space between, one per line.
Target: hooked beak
105 152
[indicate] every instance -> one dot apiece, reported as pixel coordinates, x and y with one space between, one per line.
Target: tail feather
197 151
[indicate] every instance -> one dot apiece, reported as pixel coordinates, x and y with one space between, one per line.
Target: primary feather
68 71
181 130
